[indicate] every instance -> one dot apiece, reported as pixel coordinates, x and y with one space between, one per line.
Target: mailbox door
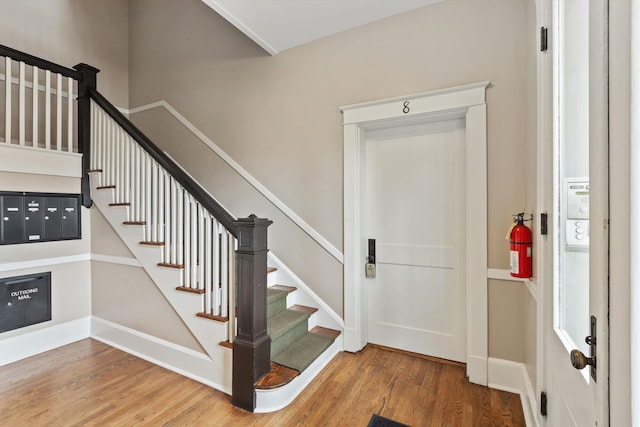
33 218
70 218
12 220
52 218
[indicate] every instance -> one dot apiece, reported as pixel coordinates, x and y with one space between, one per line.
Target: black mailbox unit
39 217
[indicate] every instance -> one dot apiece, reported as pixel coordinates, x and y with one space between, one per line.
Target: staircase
209 266
172 236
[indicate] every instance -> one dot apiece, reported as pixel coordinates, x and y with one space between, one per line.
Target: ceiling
278 25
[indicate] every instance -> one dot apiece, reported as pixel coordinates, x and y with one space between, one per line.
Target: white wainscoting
36 342
184 361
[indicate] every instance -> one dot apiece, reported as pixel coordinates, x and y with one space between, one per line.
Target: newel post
88 80
252 346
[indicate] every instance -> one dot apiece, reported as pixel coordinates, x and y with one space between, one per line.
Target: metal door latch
579 360
370 266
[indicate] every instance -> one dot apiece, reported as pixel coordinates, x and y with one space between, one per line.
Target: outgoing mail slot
11 222
33 218
52 218
70 217
25 300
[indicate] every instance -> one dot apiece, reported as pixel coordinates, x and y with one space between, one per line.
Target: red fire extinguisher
520 245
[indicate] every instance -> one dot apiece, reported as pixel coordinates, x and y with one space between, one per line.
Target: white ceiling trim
213 4
277 25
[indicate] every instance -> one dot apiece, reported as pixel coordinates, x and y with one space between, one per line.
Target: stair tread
331 333
277 377
213 317
152 243
289 289
304 351
190 290
164 264
284 321
303 309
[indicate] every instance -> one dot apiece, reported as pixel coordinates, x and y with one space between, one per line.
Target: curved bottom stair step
304 351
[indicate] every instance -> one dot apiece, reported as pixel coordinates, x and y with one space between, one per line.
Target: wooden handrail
208 202
39 62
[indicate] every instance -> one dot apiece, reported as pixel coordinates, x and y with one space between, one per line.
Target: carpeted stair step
285 328
300 354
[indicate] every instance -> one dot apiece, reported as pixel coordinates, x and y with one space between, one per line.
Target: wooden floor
91 384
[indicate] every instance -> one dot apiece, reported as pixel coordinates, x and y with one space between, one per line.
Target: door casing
466 102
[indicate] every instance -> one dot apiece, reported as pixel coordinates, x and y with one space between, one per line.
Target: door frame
466 102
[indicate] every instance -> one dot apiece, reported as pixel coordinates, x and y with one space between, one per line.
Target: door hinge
543 404
544 39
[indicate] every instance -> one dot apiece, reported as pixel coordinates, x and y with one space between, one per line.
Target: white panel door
416 214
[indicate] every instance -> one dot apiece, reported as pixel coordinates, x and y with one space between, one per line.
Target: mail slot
39 217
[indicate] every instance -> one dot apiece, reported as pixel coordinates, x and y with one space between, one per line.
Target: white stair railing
38 115
193 240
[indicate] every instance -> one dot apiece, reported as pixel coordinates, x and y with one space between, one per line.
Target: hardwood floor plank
91 384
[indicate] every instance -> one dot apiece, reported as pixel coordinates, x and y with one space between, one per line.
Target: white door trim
466 102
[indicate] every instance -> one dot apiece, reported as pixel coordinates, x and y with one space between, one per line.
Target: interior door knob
580 361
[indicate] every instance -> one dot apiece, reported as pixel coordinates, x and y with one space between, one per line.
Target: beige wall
279 118
69 32
506 320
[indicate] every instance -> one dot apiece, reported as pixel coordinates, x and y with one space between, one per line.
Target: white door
579 239
415 192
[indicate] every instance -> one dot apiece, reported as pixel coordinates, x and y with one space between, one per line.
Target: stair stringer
207 332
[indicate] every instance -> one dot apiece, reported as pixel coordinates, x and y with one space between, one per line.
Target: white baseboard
26 345
182 360
477 369
511 376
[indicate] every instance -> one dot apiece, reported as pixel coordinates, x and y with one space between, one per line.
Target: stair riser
276 306
289 337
